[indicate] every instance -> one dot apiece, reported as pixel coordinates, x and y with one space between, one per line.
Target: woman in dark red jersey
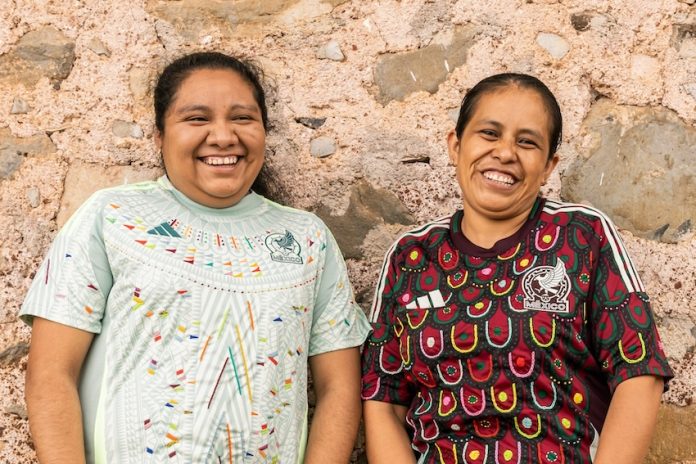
516 330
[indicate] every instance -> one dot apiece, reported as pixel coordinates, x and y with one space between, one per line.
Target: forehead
513 104
214 86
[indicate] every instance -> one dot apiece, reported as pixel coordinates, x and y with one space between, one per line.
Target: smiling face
502 155
213 138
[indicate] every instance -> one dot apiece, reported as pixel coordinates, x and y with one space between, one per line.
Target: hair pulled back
177 71
500 81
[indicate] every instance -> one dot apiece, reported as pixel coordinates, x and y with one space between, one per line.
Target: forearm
385 434
56 354
630 421
55 419
334 428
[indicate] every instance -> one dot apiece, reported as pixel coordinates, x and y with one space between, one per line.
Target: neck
484 231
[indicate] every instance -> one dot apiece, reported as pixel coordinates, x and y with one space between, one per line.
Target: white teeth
498 177
220 160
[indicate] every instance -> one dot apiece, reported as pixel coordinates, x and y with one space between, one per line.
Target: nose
222 134
505 150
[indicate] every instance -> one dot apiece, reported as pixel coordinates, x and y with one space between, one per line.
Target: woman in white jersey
173 320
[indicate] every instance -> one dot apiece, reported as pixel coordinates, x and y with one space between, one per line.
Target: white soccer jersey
205 318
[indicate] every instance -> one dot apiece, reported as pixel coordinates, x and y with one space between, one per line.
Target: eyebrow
528 131
237 106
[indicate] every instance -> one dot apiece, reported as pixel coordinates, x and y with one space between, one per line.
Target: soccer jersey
510 354
205 320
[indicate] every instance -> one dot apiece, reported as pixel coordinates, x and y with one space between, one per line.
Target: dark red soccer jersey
509 355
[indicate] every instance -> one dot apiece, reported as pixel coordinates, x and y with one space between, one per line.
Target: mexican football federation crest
546 288
284 248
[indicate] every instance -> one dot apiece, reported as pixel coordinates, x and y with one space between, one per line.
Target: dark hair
177 71
500 81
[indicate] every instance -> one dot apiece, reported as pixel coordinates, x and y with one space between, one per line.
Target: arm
630 421
336 376
385 433
56 355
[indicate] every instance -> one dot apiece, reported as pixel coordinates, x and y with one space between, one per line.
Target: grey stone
83 179
34 197
190 17
45 52
13 354
641 171
139 82
681 33
322 147
126 129
554 44
331 51
98 47
367 208
17 410
421 70
14 149
19 106
312 123
580 21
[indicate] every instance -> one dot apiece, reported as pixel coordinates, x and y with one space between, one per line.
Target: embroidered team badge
284 248
546 288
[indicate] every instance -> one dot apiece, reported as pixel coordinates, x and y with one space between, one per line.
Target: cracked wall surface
365 93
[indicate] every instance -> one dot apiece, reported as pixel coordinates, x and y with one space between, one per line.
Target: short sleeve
337 320
72 283
383 376
625 338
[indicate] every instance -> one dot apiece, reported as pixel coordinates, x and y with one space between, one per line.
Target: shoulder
575 214
425 232
111 194
283 214
425 236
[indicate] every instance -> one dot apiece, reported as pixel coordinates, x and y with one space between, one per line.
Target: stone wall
365 94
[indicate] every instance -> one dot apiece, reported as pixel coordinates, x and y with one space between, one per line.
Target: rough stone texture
45 52
322 147
82 180
640 168
674 422
368 208
633 55
425 69
14 149
556 45
331 51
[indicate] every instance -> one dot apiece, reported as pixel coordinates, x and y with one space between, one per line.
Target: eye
488 134
196 118
243 118
528 143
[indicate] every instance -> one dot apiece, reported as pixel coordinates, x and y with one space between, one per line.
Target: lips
219 160
499 177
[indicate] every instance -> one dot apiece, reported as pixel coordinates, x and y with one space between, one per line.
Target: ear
158 139
550 166
453 147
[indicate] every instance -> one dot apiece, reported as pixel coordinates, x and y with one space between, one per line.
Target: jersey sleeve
337 320
383 376
72 284
625 338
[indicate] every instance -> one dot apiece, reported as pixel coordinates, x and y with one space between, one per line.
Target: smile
219 160
499 177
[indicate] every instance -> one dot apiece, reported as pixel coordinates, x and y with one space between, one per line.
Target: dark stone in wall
13 354
641 171
368 208
425 69
44 52
14 149
580 21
